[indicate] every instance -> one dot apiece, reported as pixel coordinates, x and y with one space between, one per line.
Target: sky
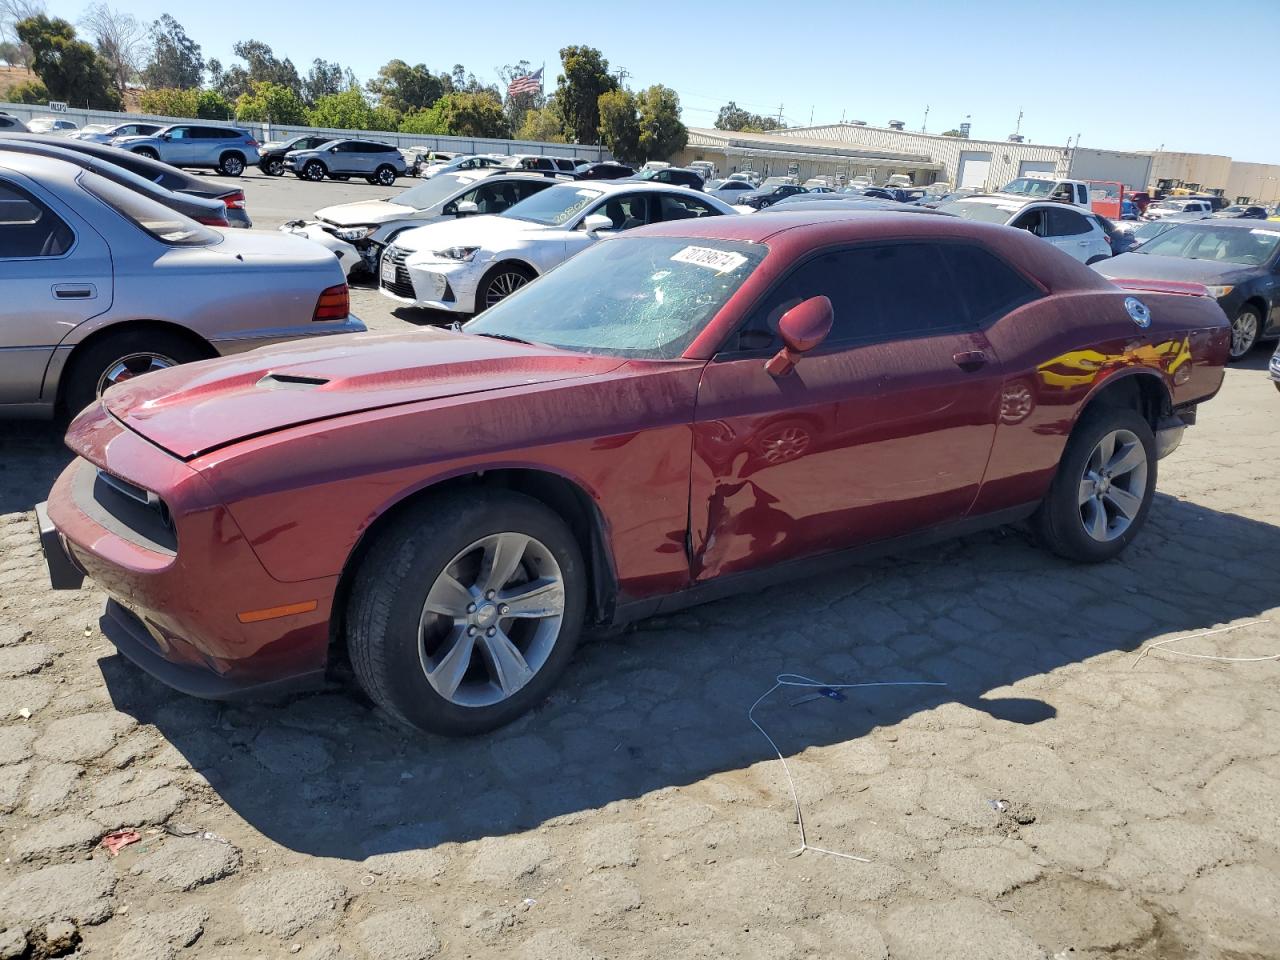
1123 74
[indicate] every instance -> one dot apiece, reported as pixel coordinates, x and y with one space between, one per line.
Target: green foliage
261 65
70 69
348 110
661 131
270 101
733 117
429 121
620 124
325 78
211 105
32 91
545 125
586 76
384 118
12 54
474 115
175 61
407 89
952 133
170 102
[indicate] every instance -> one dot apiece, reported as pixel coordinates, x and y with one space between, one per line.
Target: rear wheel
466 610
274 167
120 357
1102 492
231 165
314 171
502 281
1244 331
385 175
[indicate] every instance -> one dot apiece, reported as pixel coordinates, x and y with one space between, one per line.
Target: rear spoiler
1179 287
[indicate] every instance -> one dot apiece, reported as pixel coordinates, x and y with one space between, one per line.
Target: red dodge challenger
674 415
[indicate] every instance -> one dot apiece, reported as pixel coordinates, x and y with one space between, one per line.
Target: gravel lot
1056 799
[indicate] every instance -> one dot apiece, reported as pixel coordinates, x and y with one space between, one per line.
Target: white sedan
465 266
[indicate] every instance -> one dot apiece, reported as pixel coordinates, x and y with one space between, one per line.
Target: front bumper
347 253
449 285
1273 368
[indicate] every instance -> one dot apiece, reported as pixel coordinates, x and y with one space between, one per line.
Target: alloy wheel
275 168
386 176
134 365
502 286
314 171
1113 485
491 619
233 166
1244 333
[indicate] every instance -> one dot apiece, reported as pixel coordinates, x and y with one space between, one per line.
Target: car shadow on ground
32 455
666 704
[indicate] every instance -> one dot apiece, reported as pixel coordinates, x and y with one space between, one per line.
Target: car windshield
638 297
167 226
1149 230
1223 244
555 206
982 212
434 191
1029 186
1176 205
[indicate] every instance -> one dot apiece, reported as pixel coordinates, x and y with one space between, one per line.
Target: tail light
334 304
234 200
214 221
251 142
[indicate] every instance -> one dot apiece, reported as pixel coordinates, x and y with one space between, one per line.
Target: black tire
371 181
1237 349
147 152
231 164
88 366
1057 522
501 278
385 175
314 171
273 167
391 586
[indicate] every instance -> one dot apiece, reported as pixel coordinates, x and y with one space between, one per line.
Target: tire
1063 517
385 175
273 167
500 282
231 164
393 643
1245 328
314 171
140 349
147 152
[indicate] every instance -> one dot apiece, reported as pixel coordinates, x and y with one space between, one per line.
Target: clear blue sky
1126 74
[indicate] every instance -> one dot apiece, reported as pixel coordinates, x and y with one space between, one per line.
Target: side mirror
466 208
597 222
333 149
166 136
802 328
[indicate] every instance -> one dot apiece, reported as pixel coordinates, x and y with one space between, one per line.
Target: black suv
271 155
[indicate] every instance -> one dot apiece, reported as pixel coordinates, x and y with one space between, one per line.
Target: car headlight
464 254
1218 292
351 234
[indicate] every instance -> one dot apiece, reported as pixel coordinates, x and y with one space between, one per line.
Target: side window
683 208
1032 220
203 133
988 286
626 211
527 188
1080 194
495 197
28 228
1066 223
892 292
180 133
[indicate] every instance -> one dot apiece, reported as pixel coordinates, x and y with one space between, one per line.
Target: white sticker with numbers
721 261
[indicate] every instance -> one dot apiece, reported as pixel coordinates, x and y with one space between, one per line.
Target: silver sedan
102 284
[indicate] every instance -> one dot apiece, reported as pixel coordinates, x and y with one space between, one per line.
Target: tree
33 91
325 78
586 76
733 117
348 110
12 12
620 124
121 40
261 64
661 131
270 101
429 121
175 61
69 68
474 115
461 81
952 133
405 89
211 105
543 126
11 53
170 102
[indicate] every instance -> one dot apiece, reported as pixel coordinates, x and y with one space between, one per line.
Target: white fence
264 132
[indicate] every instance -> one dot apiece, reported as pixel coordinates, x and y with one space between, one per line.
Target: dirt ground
1057 798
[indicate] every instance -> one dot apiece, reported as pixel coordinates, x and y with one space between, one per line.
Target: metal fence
272 131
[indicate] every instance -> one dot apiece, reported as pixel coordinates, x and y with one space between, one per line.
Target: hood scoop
290 381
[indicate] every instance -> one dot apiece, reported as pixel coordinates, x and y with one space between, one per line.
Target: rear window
167 226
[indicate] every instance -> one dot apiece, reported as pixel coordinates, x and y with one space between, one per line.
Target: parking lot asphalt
1061 796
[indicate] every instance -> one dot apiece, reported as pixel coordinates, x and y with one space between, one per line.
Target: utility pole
1018 128
924 127
811 114
779 114
623 73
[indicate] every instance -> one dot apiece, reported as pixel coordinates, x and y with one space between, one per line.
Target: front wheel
273 168
147 152
1244 331
1100 497
314 171
466 610
504 280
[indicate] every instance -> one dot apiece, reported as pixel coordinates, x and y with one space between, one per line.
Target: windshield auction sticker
721 261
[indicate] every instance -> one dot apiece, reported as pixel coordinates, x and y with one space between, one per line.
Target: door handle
969 359
75 291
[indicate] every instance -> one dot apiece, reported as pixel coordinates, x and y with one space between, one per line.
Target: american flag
527 84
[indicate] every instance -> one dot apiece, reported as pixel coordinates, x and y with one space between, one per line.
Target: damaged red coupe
677 414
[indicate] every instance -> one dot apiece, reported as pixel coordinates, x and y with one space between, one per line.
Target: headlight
351 234
465 254
1218 292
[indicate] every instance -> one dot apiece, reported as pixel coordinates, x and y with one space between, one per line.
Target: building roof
773 145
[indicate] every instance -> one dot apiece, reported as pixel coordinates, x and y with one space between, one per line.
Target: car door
1071 232
881 431
180 146
55 271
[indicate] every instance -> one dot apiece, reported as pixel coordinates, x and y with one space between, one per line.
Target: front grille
401 286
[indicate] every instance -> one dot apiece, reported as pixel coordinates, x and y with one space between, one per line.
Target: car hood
481 231
1145 266
136 138
202 407
364 211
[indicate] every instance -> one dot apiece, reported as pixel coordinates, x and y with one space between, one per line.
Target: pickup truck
1045 188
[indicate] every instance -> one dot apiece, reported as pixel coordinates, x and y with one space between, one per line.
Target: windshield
1223 244
640 297
431 192
982 212
167 226
1029 186
1176 205
1149 230
554 206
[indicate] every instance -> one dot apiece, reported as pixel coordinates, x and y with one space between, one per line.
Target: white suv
1068 227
